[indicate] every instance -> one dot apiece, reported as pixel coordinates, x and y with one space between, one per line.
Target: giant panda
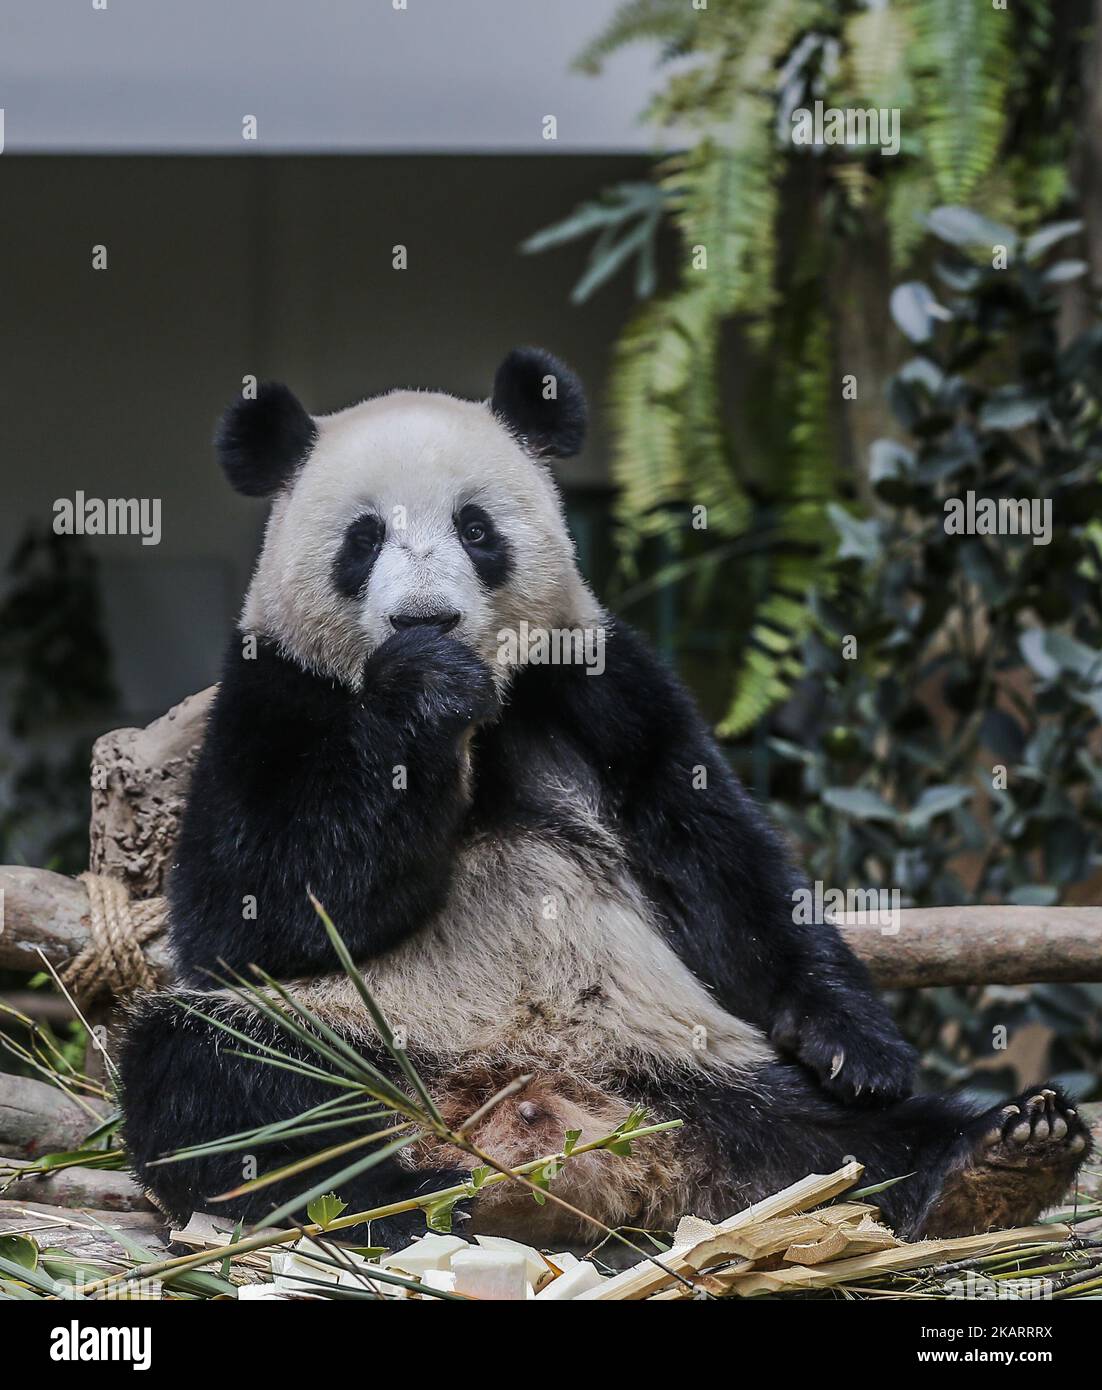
542 868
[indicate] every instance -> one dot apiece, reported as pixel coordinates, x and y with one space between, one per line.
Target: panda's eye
486 547
358 552
366 535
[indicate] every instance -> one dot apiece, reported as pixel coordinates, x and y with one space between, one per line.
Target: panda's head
411 508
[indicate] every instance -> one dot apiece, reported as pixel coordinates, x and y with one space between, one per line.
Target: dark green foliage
55 672
957 755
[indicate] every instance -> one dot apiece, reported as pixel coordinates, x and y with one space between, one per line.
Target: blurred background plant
55 673
56 688
779 272
945 737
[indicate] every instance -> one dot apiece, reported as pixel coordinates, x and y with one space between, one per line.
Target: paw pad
1039 1127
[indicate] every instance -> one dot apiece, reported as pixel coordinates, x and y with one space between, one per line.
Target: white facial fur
414 458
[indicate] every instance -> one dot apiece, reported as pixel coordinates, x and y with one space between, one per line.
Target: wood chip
642 1280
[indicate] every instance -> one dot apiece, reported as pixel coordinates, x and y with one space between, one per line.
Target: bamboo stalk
903 1257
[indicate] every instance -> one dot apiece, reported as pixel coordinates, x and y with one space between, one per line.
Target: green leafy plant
945 740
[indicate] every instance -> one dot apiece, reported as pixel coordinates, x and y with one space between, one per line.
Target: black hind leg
185 1083
962 1169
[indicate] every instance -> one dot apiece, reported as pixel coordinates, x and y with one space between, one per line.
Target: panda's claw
874 1068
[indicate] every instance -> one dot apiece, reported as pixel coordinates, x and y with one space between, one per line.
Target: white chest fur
538 962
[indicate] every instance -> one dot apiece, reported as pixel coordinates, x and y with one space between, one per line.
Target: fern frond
771 664
811 476
711 480
855 181
673 22
650 368
797 561
962 62
671 451
911 195
724 202
875 70
725 191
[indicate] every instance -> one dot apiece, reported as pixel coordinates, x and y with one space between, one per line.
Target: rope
113 961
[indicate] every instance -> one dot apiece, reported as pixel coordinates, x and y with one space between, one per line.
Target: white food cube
493 1274
580 1279
532 1258
564 1260
430 1252
442 1279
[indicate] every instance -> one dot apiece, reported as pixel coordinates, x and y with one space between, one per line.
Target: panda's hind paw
1010 1164
1039 1128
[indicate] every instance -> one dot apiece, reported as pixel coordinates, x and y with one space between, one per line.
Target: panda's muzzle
443 621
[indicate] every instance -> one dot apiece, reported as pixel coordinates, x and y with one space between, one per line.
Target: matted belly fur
541 959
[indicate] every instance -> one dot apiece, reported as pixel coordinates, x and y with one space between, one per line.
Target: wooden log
105 1188
934 945
60 1228
38 1005
36 1118
139 785
48 911
982 945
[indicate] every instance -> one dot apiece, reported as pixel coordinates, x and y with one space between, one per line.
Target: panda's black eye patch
488 550
358 552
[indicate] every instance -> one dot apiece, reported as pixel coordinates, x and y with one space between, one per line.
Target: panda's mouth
442 621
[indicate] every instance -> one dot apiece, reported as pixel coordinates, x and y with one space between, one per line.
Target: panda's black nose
444 621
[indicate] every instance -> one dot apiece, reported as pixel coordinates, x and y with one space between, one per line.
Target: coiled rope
113 962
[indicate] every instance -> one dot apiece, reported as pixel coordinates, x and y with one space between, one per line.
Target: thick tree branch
982 945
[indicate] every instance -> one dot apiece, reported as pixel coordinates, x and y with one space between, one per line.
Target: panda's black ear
261 442
542 402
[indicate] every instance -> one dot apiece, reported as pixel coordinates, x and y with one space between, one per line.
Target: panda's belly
541 959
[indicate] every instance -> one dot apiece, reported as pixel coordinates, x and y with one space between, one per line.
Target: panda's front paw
859 1061
423 674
